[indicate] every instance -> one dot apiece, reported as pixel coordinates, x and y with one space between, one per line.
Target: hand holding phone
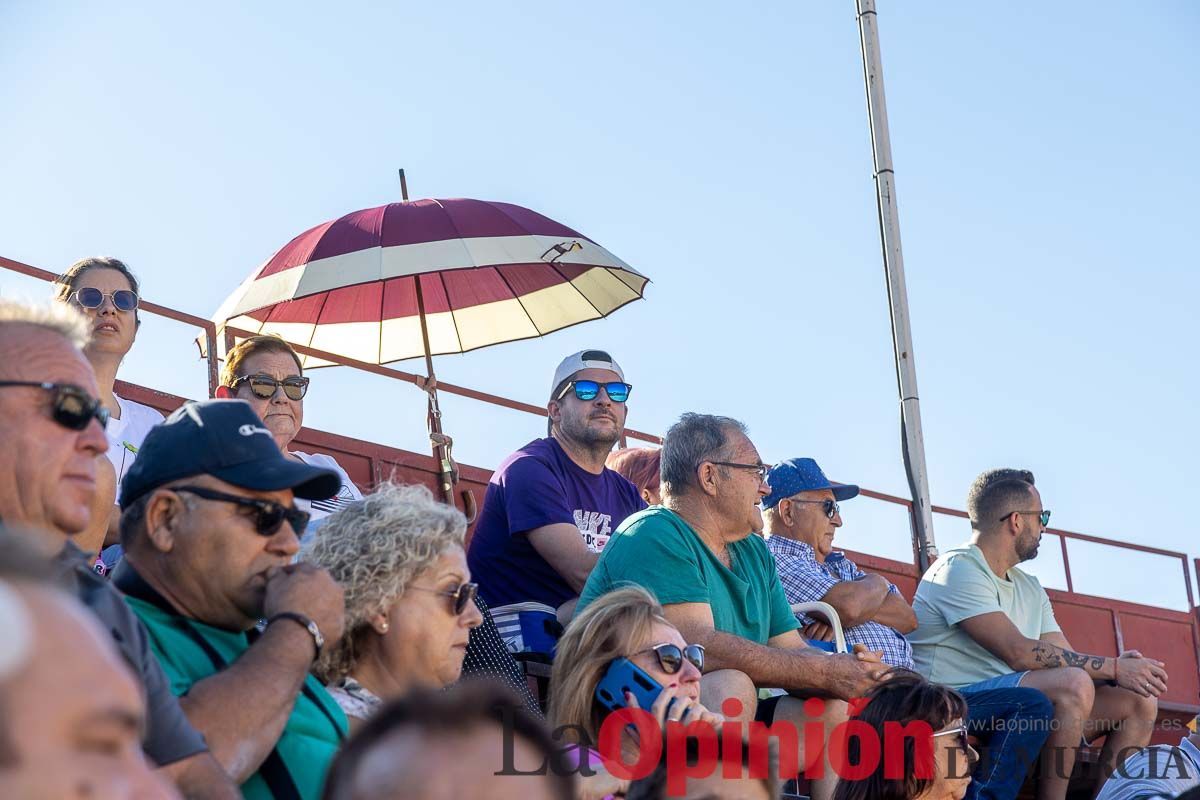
663 703
625 676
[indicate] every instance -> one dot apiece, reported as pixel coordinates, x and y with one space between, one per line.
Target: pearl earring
383 628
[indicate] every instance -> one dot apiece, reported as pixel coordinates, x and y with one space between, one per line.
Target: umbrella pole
439 441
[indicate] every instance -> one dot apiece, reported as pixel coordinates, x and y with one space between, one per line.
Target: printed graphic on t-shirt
594 527
339 501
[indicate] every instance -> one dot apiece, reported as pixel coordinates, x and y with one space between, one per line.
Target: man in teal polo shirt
701 556
210 531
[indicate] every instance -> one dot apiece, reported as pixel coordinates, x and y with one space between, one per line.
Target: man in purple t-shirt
551 506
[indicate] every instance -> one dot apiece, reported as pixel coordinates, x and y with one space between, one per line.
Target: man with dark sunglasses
699 554
985 624
210 530
551 506
800 516
52 430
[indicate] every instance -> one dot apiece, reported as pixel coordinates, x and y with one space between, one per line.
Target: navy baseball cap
797 475
225 439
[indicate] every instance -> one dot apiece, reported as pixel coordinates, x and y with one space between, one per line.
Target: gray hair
374 548
691 441
54 318
996 493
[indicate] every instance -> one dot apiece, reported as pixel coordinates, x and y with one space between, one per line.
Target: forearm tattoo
1050 656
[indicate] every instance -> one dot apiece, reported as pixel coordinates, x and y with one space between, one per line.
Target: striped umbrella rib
520 300
454 322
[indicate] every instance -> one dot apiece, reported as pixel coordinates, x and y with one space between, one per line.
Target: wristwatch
306 623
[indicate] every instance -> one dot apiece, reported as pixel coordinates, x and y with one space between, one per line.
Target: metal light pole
912 439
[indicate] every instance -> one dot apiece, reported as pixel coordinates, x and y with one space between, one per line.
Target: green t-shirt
961 585
313 732
658 550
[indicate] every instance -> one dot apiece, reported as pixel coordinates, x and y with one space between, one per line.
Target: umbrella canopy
484 273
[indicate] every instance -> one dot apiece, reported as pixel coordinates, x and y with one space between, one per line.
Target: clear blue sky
1046 172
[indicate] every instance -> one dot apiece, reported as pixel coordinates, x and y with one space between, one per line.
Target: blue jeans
1012 723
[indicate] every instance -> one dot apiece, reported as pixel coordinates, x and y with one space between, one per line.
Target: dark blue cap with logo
225 439
798 475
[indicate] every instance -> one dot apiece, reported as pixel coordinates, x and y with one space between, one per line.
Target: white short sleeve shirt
125 435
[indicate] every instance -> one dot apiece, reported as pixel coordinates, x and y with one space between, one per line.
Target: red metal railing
210 334
1064 535
210 330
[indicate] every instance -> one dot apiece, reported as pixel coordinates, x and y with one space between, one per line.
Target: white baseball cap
584 359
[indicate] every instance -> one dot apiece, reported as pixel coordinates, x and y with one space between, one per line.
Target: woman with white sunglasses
106 292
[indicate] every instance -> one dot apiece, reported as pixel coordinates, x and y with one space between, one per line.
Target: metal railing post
1062 541
214 363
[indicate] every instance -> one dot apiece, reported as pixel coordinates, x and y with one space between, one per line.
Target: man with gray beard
551 506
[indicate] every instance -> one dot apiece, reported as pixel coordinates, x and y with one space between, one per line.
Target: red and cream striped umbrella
480 273
429 277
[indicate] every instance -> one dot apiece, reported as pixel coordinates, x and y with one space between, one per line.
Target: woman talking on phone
623 639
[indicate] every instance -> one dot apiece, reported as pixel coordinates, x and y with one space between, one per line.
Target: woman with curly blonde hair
398 555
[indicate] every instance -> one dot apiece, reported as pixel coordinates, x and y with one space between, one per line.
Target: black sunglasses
264 386
671 656
122 299
269 515
617 391
831 508
71 407
463 595
1044 516
761 469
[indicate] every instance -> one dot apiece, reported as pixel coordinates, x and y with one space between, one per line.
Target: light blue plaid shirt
805 580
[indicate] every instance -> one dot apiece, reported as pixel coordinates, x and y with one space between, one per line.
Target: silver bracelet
307 624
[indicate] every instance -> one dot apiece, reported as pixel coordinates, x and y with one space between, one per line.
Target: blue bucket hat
226 439
797 475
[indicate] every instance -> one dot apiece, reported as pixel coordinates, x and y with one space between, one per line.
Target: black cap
225 439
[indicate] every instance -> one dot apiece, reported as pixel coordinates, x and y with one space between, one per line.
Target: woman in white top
265 372
106 292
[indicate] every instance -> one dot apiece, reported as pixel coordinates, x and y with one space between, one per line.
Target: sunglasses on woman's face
961 733
671 656
70 406
122 299
264 386
617 391
463 595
